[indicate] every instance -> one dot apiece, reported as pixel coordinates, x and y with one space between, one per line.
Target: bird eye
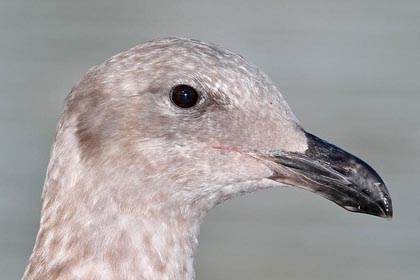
184 96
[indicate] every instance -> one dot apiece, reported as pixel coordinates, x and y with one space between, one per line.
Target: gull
154 138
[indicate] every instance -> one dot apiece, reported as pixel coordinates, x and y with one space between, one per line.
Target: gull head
155 137
183 124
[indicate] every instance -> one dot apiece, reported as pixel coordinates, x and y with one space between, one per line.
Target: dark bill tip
335 174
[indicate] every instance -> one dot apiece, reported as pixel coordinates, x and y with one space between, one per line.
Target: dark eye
184 96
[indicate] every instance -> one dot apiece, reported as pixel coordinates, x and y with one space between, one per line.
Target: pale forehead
158 65
176 60
186 51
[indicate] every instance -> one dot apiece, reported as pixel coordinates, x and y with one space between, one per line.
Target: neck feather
121 244
91 229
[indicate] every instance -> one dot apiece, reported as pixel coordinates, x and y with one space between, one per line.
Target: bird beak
334 174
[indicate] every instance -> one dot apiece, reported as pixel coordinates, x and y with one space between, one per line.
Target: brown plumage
132 175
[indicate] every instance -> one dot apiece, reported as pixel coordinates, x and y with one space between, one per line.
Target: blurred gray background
349 69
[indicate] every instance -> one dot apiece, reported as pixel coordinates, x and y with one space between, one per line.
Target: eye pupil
184 96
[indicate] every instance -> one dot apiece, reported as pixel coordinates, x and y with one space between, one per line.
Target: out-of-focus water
349 69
